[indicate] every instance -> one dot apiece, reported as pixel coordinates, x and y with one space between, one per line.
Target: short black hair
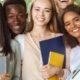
13 2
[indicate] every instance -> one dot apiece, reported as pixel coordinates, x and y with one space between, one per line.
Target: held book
54 44
3 64
56 59
53 52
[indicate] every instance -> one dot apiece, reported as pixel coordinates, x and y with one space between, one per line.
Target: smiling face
72 24
16 18
41 12
62 4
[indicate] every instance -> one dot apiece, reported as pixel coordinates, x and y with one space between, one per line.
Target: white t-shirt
20 39
74 63
75 58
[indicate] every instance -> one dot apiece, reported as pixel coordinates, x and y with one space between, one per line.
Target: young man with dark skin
15 14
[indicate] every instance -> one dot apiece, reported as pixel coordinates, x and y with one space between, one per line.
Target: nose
41 13
73 24
16 20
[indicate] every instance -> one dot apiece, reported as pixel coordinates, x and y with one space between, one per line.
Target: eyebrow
76 17
44 8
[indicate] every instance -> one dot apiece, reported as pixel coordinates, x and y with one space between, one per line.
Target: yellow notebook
57 60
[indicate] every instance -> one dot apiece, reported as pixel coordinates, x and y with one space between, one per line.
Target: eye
67 24
48 10
36 9
21 15
10 16
77 19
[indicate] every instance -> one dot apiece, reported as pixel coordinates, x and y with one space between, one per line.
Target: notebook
53 52
54 44
3 64
56 59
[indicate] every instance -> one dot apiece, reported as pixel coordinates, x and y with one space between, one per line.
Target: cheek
78 23
48 17
68 30
23 20
10 22
33 16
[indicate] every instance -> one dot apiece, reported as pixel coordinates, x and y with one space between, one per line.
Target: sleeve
20 39
67 68
17 58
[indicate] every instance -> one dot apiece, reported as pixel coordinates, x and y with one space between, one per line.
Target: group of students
42 25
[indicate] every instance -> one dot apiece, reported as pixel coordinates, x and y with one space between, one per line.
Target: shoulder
76 48
19 37
56 34
14 44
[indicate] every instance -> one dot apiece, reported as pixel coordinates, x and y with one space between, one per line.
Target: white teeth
16 27
40 19
75 30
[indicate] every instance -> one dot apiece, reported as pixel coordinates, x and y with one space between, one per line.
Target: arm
17 66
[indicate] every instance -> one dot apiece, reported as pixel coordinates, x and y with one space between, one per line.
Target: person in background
60 6
10 49
15 13
42 26
71 30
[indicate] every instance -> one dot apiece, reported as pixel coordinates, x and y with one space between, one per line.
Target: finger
45 67
8 75
45 75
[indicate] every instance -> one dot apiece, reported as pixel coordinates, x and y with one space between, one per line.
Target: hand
49 71
5 77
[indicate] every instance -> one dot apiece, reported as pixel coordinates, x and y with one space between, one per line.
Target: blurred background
28 3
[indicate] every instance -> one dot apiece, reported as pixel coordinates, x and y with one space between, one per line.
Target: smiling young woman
42 26
71 30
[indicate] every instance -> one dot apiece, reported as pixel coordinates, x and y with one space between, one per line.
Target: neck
79 40
39 30
59 10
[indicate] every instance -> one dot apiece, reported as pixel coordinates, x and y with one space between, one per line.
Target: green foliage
28 4
78 2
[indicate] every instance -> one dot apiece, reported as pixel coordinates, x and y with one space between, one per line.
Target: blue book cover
54 44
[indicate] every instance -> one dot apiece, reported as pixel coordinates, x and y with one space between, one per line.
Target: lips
63 0
75 30
40 19
16 27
